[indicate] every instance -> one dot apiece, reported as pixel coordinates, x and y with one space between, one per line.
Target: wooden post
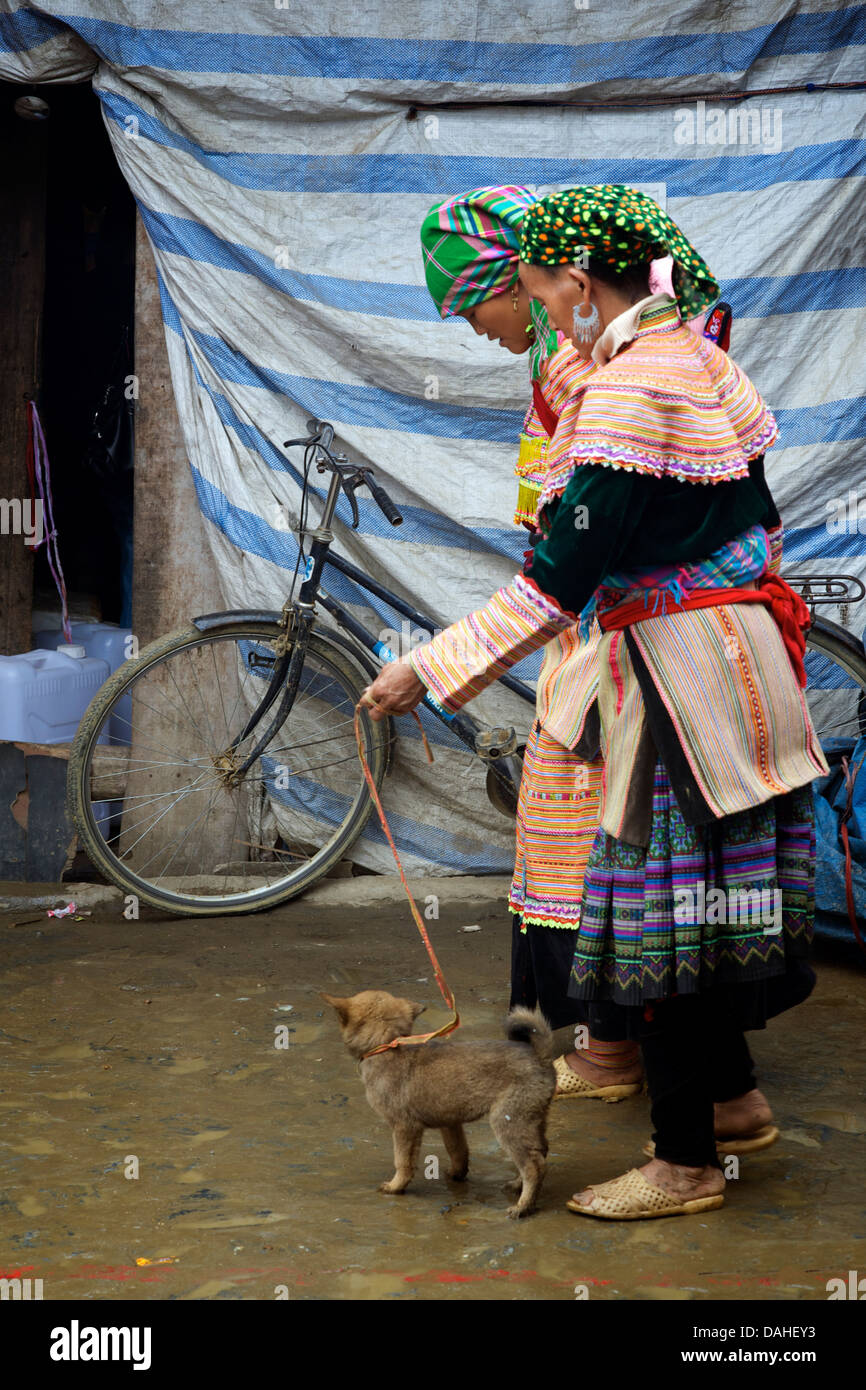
22 284
174 578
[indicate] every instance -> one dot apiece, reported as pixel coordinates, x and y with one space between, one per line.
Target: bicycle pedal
492 744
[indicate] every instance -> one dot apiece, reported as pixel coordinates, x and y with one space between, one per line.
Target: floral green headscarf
621 227
471 248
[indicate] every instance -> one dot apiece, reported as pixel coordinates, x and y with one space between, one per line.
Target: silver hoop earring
585 329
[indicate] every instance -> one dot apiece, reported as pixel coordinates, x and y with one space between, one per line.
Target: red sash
790 612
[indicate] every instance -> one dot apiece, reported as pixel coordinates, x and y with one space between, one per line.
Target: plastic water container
105 640
43 694
108 642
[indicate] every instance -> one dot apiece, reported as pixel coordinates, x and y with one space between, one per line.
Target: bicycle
252 733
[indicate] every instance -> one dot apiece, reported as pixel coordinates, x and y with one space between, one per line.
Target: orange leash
444 989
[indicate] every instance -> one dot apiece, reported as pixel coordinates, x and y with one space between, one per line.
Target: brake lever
349 489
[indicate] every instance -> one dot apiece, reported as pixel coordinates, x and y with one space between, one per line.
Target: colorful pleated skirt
729 903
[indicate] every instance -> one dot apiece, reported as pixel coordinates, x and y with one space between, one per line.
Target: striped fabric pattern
725 678
671 404
568 683
469 655
557 819
470 246
283 160
737 563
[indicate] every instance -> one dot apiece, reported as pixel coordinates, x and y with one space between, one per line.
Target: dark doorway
87 346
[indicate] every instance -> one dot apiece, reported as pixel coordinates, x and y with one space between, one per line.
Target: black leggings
694 1054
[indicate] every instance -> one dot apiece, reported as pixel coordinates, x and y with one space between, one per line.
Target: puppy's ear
341 1005
417 1008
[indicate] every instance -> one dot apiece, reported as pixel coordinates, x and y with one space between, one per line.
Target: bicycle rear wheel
148 789
836 689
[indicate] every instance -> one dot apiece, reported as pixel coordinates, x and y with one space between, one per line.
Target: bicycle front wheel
149 788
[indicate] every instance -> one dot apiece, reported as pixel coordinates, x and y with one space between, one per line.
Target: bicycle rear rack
823 589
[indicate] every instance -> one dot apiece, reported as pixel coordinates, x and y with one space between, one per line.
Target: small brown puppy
443 1084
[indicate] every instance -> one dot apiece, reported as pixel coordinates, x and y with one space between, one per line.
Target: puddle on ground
243 1073
220 1223
31 1206
32 1146
800 1136
846 1121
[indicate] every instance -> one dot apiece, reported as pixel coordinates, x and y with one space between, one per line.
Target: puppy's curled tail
530 1026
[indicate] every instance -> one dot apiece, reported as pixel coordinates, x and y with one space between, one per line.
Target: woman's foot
741 1117
741 1126
680 1183
628 1071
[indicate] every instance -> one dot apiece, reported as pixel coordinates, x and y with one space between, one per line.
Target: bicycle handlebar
321 433
385 504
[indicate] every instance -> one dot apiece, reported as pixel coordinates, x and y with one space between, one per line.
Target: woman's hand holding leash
396 690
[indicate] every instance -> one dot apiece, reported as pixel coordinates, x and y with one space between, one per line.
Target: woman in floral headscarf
470 246
657 522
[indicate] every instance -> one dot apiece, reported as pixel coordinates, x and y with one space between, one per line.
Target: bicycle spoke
189 831
181 796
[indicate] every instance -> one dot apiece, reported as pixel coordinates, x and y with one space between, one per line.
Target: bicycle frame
298 619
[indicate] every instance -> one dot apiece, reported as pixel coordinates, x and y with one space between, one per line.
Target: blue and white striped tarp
283 156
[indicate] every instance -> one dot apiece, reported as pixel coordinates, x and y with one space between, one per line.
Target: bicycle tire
375 734
830 640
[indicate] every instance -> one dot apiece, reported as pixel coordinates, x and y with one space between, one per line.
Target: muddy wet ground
149 1046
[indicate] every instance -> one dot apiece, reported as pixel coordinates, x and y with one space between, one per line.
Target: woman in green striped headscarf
470 245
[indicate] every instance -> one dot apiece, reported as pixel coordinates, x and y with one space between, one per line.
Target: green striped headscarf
621 227
471 248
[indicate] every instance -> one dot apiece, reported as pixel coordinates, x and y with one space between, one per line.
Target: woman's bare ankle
630 1073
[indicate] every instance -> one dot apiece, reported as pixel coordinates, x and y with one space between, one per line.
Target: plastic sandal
744 1144
570 1086
632 1198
